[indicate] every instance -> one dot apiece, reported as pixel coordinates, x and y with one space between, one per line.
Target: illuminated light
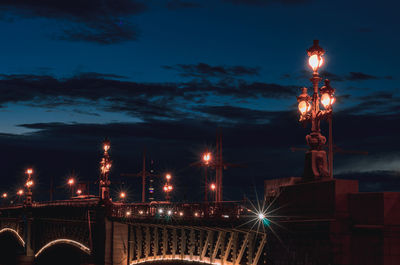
20 192
212 186
29 183
106 147
261 216
15 233
128 213
29 171
168 176
79 192
207 157
180 213
169 212
304 107
196 214
64 241
225 216
4 195
122 195
71 181
165 188
194 259
315 62
326 100
160 210
169 187
140 212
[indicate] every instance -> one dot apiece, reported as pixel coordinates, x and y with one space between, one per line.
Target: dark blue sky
166 74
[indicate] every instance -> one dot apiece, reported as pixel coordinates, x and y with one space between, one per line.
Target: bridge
104 232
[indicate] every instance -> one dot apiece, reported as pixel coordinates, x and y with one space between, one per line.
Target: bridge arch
70 242
14 233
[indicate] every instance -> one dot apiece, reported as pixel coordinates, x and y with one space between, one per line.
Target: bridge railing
183 211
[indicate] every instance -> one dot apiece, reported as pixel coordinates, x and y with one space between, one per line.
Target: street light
316 165
105 166
29 184
4 195
122 195
71 182
212 188
206 162
167 187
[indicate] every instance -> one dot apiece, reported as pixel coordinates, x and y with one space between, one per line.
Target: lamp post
167 187
28 185
71 182
122 196
206 162
212 188
105 166
316 165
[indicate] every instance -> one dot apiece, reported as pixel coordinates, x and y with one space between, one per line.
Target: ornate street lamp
105 166
28 185
207 158
167 187
316 165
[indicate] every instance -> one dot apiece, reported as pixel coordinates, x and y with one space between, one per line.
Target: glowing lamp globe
327 100
29 171
304 107
315 62
168 176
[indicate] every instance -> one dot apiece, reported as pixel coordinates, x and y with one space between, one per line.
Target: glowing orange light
327 100
304 107
165 188
196 214
140 212
106 147
71 181
4 195
20 192
122 195
128 213
207 157
168 176
29 183
29 171
79 192
315 62
169 187
212 186
180 213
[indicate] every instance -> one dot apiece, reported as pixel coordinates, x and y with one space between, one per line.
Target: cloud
351 76
240 114
177 4
103 22
359 76
206 70
268 2
113 93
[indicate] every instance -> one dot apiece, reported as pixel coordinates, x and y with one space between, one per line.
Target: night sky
165 75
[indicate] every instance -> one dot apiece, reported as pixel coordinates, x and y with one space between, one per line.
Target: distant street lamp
212 188
167 187
71 183
4 195
28 185
316 165
105 166
79 192
122 196
207 158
